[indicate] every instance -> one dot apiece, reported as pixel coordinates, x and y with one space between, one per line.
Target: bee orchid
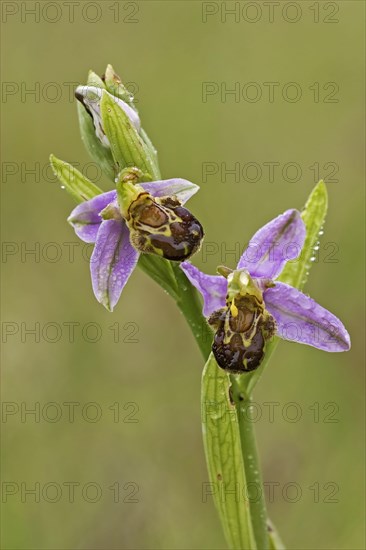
247 306
147 217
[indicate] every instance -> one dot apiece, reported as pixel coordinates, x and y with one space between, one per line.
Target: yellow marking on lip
234 310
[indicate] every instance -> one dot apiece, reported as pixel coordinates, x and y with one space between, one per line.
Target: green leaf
75 183
127 146
296 271
99 153
221 436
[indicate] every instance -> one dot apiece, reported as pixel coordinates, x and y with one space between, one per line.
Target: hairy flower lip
114 258
298 317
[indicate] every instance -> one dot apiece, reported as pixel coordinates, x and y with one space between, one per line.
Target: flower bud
114 85
111 128
90 97
99 153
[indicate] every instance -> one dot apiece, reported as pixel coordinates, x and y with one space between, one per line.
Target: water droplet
63 187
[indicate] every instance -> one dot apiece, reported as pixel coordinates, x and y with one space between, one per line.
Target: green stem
190 305
251 462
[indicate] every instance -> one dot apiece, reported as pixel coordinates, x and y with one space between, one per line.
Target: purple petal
112 262
301 319
273 245
85 217
212 287
182 189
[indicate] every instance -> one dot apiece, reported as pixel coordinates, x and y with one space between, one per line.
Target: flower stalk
254 484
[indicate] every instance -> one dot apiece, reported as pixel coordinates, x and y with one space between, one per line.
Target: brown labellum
242 329
163 226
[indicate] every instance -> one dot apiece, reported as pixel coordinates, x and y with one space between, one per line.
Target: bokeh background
145 388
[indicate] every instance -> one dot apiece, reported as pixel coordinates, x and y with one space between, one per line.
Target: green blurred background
166 52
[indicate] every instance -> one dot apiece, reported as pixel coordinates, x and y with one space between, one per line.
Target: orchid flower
248 306
147 217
